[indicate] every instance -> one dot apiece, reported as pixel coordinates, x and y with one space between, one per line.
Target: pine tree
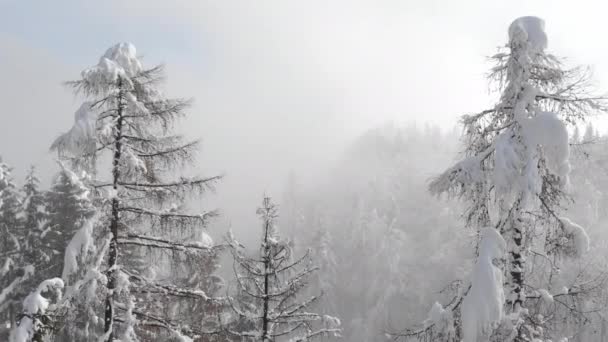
516 169
140 207
269 304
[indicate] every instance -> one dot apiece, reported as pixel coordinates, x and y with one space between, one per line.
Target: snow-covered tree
270 287
68 207
33 219
13 270
514 178
141 207
322 246
384 246
583 319
34 323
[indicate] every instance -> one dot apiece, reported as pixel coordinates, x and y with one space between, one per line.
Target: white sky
278 84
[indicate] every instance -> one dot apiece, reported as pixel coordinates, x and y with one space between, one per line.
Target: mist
310 76
330 108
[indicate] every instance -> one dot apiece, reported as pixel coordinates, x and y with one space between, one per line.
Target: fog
293 82
285 89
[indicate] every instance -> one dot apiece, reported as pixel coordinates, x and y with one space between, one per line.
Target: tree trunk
515 238
517 268
267 256
114 221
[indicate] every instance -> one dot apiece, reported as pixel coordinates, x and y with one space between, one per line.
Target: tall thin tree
141 206
12 270
515 170
270 288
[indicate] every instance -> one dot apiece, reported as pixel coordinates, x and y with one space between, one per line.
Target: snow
6 266
516 160
205 240
545 129
81 137
482 308
82 242
507 163
442 319
111 193
35 303
530 30
332 321
4 294
526 98
180 337
119 60
133 162
124 55
465 173
7 290
135 106
546 296
436 313
577 235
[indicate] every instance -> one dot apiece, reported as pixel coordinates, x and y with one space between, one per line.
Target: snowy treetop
531 30
119 60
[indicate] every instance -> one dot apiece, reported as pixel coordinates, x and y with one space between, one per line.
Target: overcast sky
278 85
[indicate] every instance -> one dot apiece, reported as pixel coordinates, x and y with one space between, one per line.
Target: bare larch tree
270 287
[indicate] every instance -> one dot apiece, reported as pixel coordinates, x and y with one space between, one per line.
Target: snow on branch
458 179
33 321
268 289
482 307
28 271
156 242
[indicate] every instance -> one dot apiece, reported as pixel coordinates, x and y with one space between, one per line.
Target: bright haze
277 85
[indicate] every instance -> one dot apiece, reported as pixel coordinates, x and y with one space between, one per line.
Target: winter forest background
386 172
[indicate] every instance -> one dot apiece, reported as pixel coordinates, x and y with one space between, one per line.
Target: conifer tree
68 208
13 270
141 206
33 217
270 287
514 178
